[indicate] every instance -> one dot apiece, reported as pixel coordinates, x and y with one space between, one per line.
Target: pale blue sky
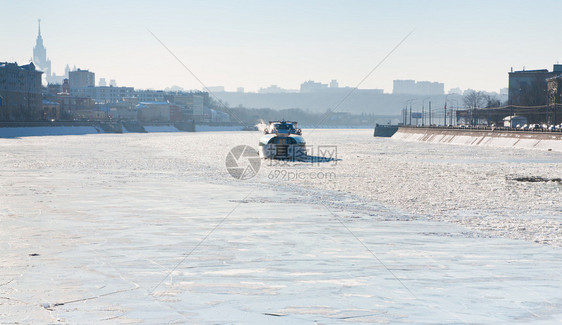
253 44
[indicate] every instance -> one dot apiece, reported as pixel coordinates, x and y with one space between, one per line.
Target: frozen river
151 228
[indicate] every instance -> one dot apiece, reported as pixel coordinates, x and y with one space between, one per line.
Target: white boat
283 140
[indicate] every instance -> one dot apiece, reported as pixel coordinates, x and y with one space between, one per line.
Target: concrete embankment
551 141
23 129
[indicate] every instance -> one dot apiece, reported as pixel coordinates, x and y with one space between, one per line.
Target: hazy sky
253 44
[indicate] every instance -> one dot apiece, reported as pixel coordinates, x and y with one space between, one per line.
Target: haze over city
251 44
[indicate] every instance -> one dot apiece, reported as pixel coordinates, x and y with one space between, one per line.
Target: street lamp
452 110
423 110
410 115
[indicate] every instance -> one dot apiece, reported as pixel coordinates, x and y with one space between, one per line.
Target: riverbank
47 128
548 141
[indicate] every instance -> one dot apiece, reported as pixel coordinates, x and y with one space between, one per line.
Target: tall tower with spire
40 54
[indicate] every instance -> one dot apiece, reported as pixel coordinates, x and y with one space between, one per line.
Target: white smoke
261 125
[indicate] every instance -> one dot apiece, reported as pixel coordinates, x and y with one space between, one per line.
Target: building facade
74 107
529 87
154 111
150 95
106 95
554 111
20 92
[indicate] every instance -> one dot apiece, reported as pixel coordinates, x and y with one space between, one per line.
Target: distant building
154 111
20 92
423 88
65 86
51 110
149 95
102 82
312 86
106 95
404 87
197 105
41 61
54 89
89 92
112 83
554 85
81 79
123 113
40 53
334 84
75 106
273 89
529 87
430 88
176 113
240 89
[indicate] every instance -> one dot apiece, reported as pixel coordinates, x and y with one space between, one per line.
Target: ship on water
385 130
282 140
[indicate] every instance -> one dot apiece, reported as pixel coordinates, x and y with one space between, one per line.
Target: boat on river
282 140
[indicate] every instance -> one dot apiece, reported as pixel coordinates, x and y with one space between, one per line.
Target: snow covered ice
151 228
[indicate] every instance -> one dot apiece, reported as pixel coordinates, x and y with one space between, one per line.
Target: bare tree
474 99
491 101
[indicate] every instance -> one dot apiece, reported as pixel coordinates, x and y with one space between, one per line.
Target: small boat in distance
385 130
282 140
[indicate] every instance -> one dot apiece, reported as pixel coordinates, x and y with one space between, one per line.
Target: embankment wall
551 141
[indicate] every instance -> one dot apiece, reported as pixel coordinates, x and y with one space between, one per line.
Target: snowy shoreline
35 131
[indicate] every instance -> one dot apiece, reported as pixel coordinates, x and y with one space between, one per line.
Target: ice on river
150 228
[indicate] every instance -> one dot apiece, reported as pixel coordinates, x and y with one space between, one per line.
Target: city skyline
255 45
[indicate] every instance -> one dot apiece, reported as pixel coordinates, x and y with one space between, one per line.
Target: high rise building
41 61
40 53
